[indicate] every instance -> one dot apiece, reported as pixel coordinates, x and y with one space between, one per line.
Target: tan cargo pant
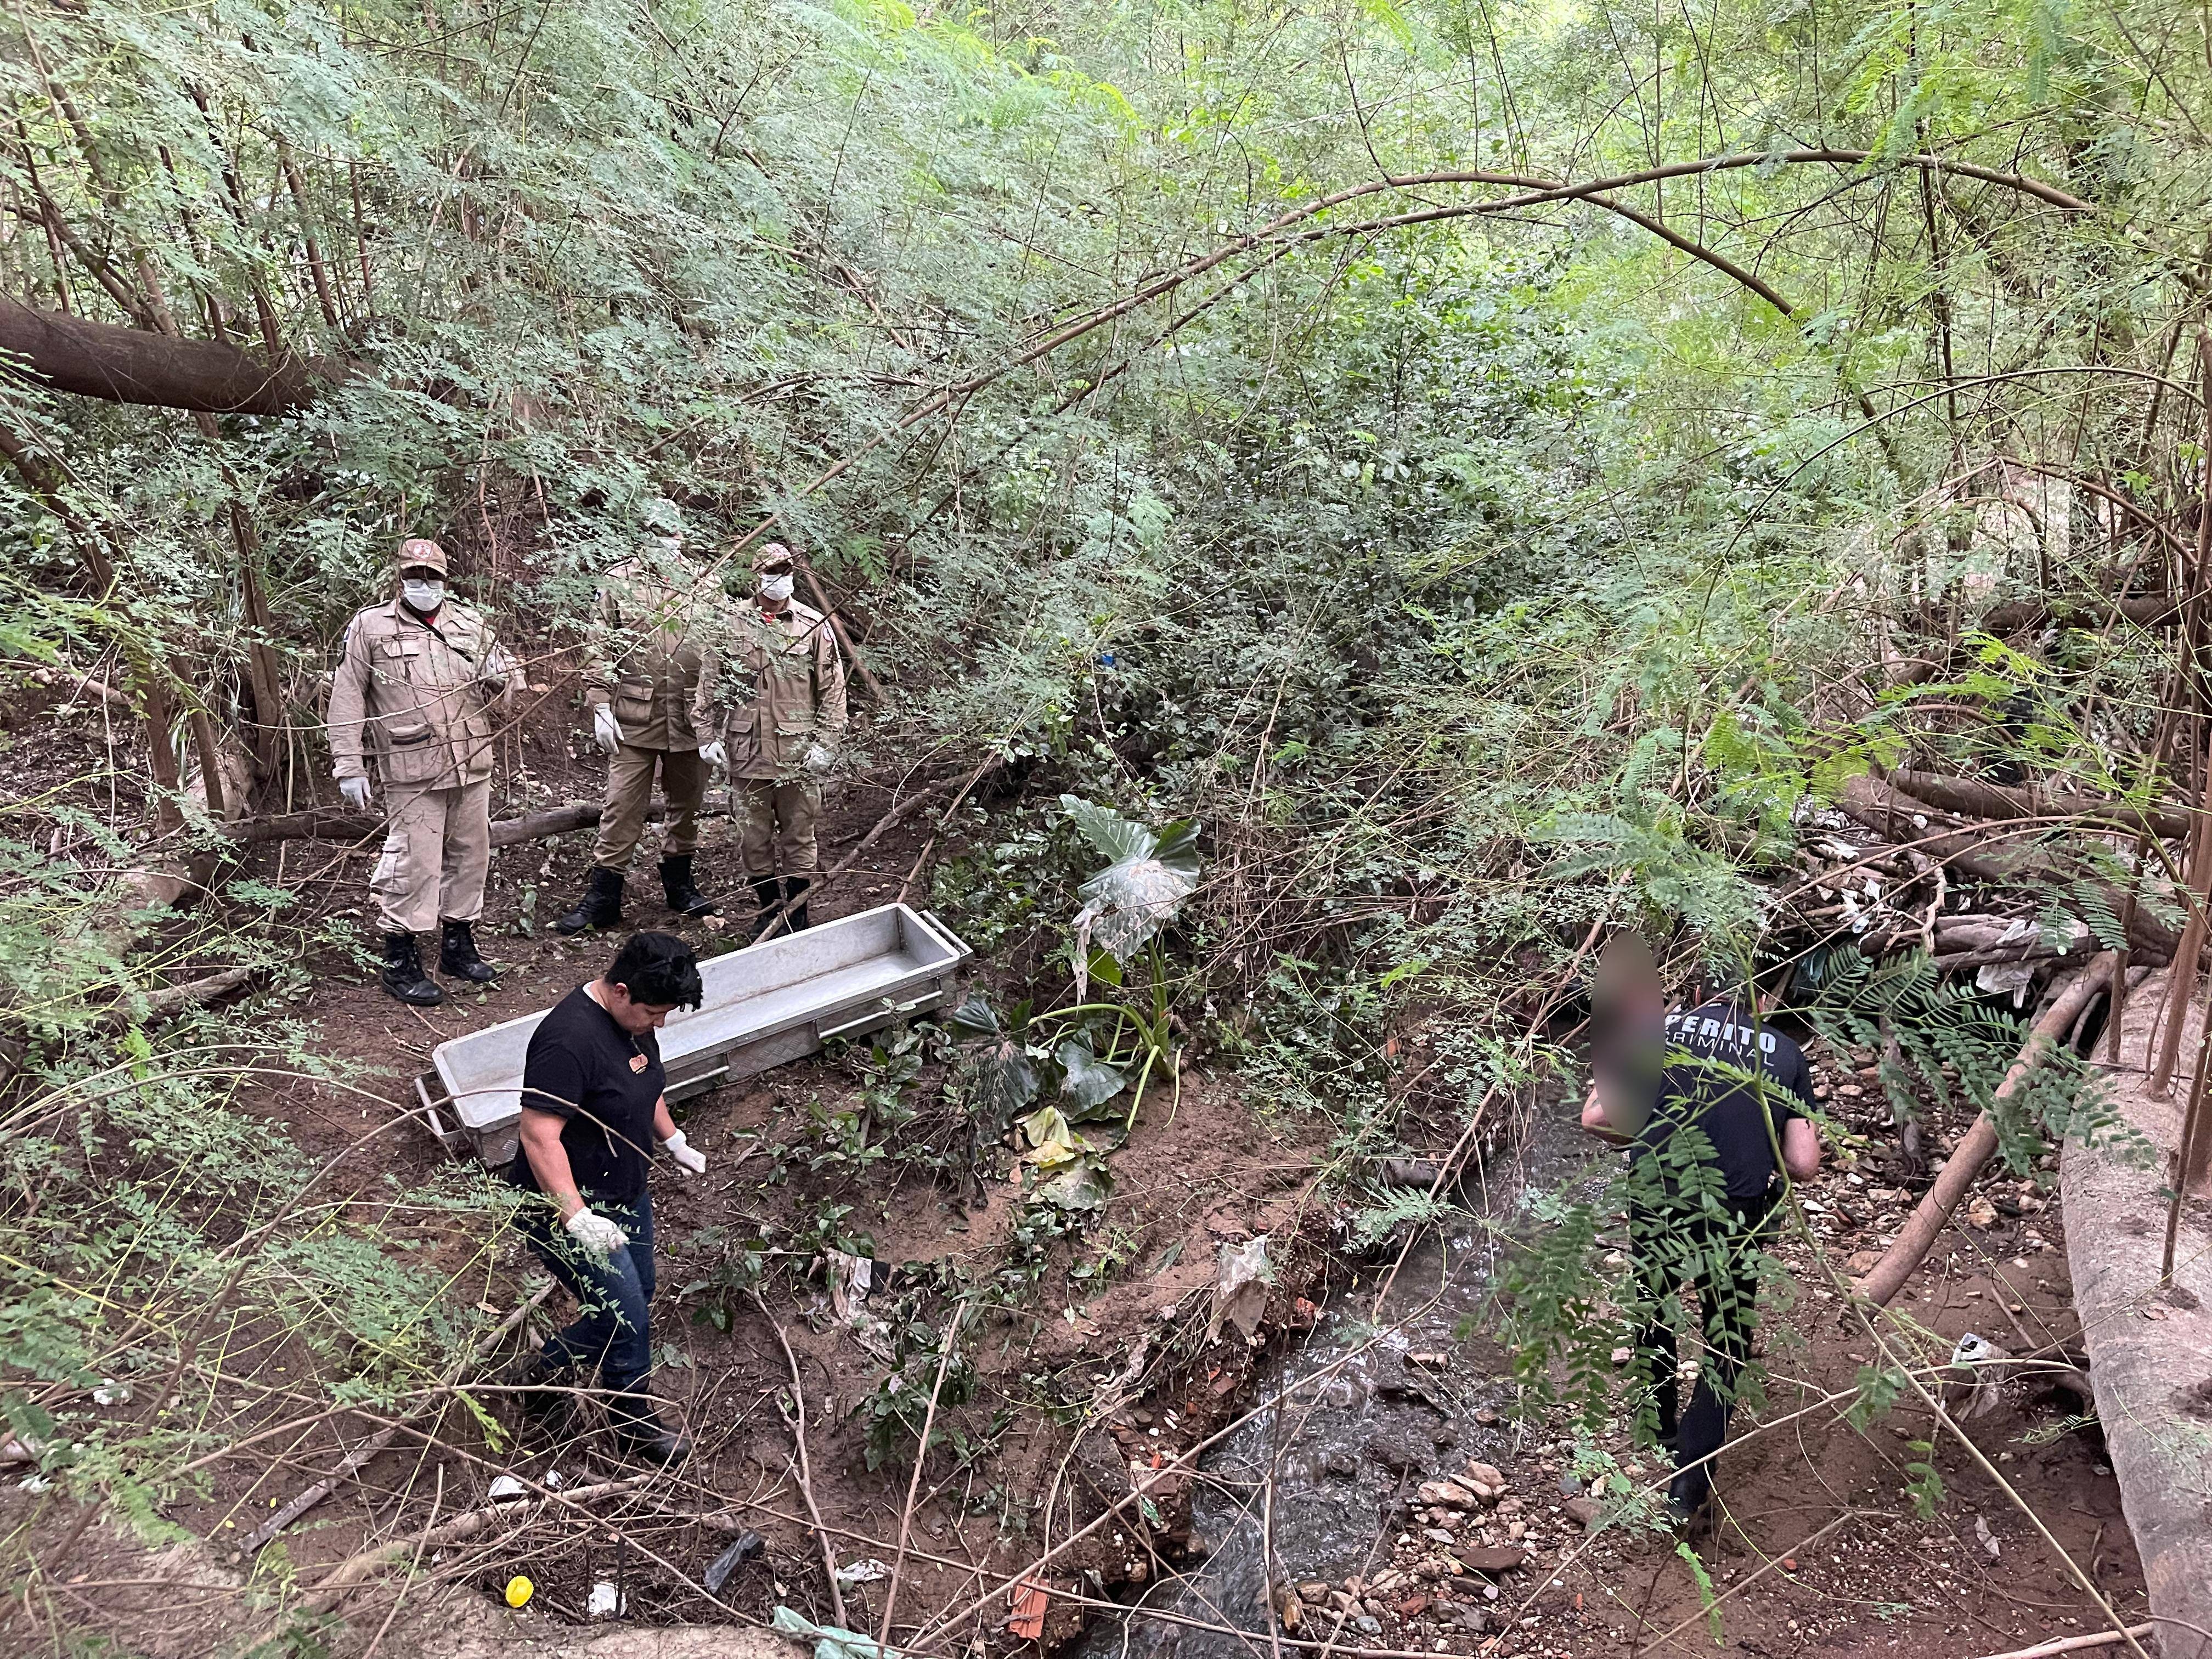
629 792
775 824
437 852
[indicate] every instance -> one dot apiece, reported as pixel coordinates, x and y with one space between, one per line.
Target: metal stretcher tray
765 1005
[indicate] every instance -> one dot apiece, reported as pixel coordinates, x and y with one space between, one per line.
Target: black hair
658 969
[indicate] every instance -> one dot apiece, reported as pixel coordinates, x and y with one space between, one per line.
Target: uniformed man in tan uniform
419 681
776 688
642 665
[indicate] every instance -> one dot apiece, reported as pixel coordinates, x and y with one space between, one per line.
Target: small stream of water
1331 1487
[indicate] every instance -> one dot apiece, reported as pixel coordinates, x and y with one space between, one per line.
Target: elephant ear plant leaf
1088 1081
1001 1079
1127 904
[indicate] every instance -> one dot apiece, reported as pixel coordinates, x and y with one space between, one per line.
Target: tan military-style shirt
419 696
643 654
777 687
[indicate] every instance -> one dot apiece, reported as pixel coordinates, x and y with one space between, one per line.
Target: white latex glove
715 754
818 760
603 729
601 1237
356 791
687 1156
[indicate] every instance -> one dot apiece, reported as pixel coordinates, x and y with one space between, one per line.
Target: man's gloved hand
715 754
597 1234
687 1156
819 760
603 729
356 791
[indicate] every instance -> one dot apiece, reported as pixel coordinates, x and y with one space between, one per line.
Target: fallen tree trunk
2088 610
1973 798
322 823
139 365
1919 1235
172 1000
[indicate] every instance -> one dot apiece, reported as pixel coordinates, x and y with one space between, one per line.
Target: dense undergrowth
1466 580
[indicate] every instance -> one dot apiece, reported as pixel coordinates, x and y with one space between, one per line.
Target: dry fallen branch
1918 1236
321 823
1982 852
2102 1638
357 1569
1973 798
796 1419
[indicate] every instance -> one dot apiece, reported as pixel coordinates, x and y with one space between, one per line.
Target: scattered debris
1240 1288
1030 1601
747 1545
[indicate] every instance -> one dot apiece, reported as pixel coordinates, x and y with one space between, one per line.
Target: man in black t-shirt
1733 1094
592 1106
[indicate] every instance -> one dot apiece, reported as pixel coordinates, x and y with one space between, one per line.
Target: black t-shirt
1727 1108
584 1067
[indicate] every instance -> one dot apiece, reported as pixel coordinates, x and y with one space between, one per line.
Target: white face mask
422 596
775 589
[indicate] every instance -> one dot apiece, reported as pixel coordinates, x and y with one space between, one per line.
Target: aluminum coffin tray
765 1005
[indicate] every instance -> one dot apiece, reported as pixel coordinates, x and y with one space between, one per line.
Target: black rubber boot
544 1390
769 891
683 898
403 974
795 892
456 954
601 905
651 1441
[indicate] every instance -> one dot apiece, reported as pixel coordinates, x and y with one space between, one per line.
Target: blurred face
775 581
634 1017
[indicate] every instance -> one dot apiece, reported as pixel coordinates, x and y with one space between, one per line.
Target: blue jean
610 1333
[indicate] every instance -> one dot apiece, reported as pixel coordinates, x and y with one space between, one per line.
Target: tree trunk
137 366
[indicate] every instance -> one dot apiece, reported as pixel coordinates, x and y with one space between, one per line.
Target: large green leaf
1115 837
1132 898
1089 1081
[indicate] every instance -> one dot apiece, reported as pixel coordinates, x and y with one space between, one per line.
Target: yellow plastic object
520 1590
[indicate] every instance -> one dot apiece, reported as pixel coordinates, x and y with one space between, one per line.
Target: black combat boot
646 1438
794 893
403 974
457 953
769 891
544 1389
683 898
601 905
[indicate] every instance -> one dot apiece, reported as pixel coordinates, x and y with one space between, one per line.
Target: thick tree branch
137 366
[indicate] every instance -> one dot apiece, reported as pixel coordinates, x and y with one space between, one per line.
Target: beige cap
423 552
770 553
